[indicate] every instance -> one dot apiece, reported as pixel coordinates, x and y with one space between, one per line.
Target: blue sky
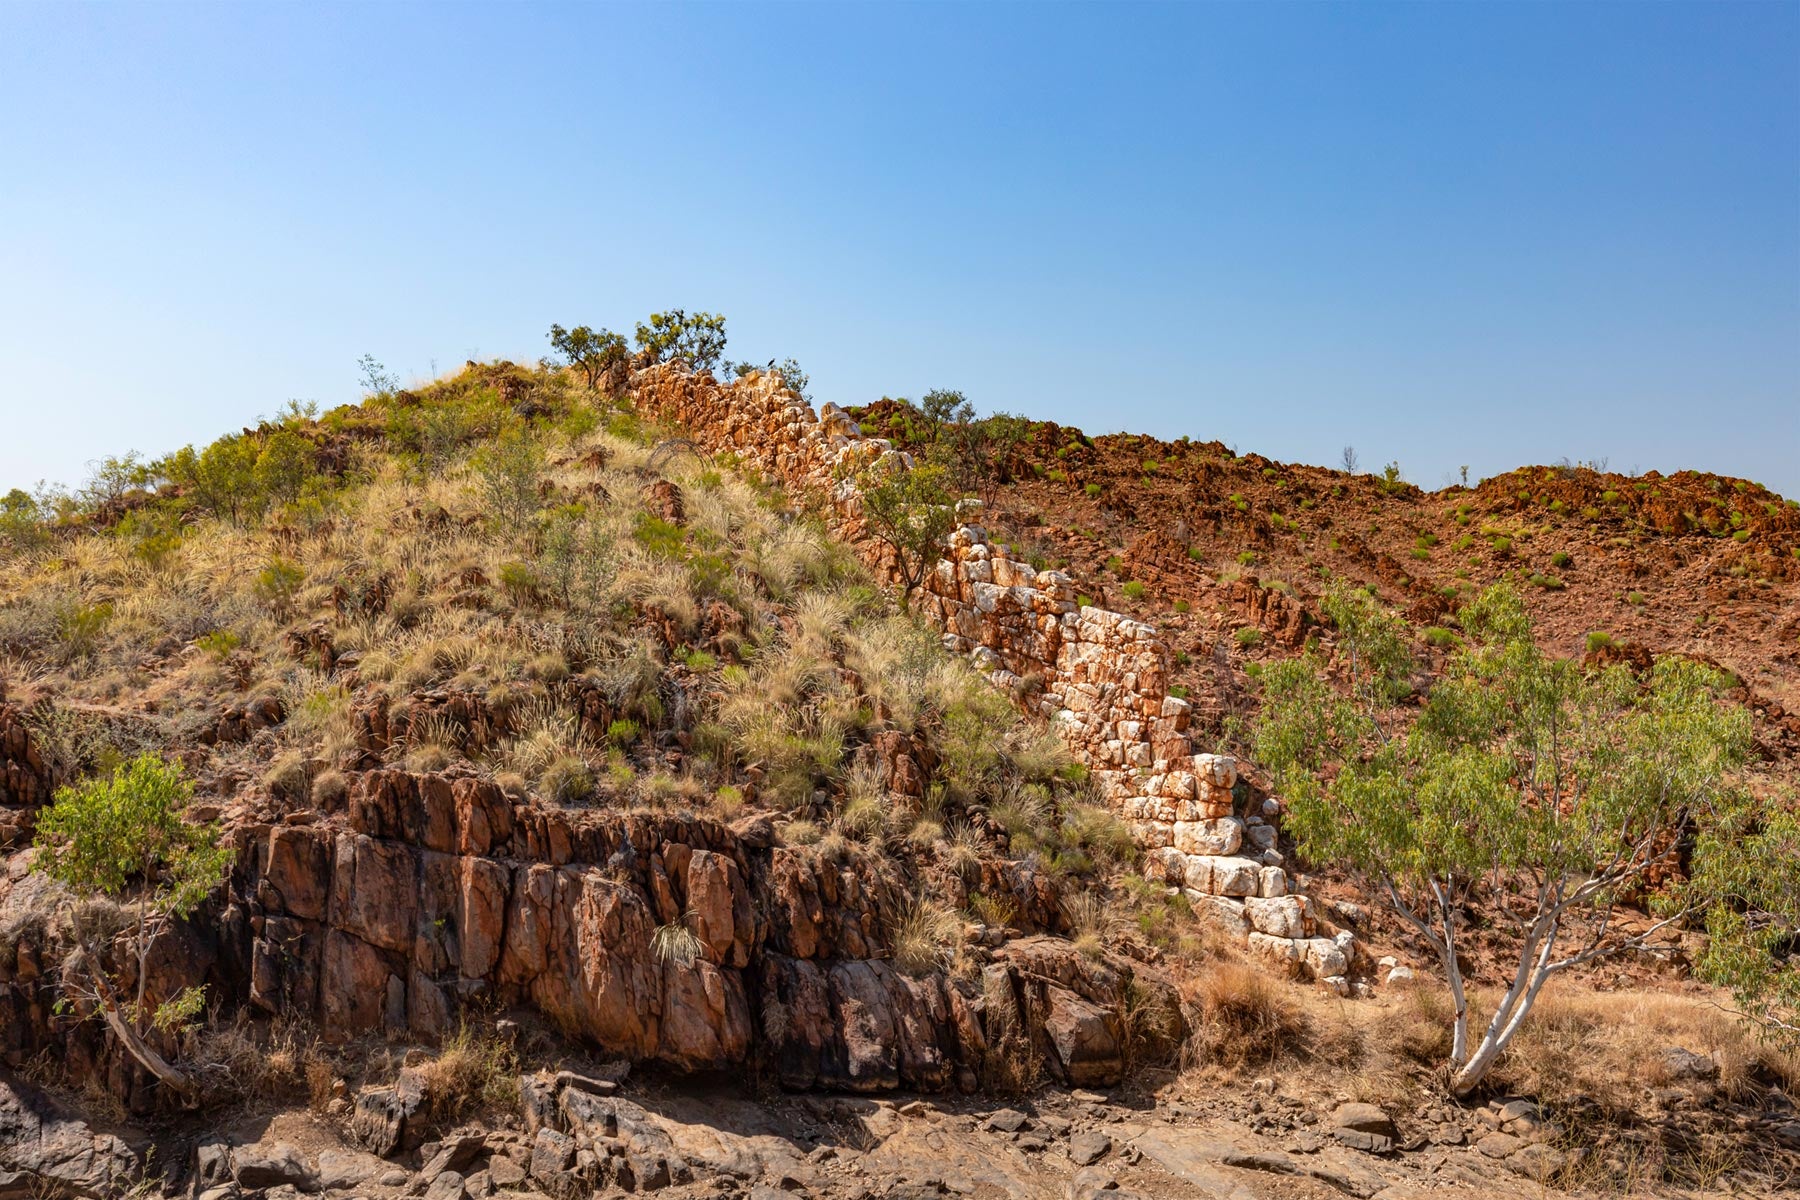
1483 234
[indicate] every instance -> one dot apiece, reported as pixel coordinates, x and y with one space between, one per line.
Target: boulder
273 1165
1363 1127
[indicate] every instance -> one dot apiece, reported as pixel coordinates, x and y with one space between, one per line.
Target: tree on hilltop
699 338
590 352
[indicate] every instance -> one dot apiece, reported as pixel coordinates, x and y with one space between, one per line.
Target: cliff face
424 893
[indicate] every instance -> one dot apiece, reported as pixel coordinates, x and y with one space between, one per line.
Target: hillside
602 815
1691 564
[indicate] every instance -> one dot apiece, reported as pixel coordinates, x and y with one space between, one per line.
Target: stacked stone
1099 677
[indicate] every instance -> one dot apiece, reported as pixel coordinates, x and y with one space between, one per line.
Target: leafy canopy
590 352
1554 787
909 510
100 835
700 338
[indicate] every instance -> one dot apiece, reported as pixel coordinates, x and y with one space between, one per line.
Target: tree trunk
128 1036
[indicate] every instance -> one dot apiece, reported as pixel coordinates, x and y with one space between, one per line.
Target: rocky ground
578 1133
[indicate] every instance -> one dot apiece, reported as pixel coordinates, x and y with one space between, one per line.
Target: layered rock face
1100 677
425 892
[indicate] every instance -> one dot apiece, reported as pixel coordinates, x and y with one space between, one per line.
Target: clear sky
1488 234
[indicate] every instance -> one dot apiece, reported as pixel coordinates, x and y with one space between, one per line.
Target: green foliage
1549 583
1599 640
1092 490
664 539
1248 636
126 835
910 511
1375 645
1134 590
1560 559
980 451
279 579
590 352
99 836
700 338
218 644
22 520
940 406
79 627
1745 875
1522 774
509 470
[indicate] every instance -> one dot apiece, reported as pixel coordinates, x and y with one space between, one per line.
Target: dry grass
474 1072
1242 1016
1584 1049
924 938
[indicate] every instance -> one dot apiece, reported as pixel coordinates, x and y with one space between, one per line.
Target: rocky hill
586 779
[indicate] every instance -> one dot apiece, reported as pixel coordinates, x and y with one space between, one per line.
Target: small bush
1549 583
1247 637
218 644
1134 590
924 938
1246 558
1196 554
1438 636
1560 559
568 780
1241 1015
472 1073
1179 691
1636 598
1092 490
1598 641
1182 606
675 943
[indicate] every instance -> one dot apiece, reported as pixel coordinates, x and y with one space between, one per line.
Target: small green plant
1440 637
1246 558
1549 583
1092 490
1560 559
1179 691
1058 475
1196 554
1248 637
1598 641
1182 606
698 660
623 732
102 837
1637 599
1084 601
1134 590
277 582
218 644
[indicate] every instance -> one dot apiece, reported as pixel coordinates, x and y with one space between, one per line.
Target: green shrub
1182 606
1092 489
1549 583
1195 554
218 644
1084 601
1636 598
1560 559
1134 590
1057 475
1246 558
1598 640
1179 691
1438 636
1248 637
